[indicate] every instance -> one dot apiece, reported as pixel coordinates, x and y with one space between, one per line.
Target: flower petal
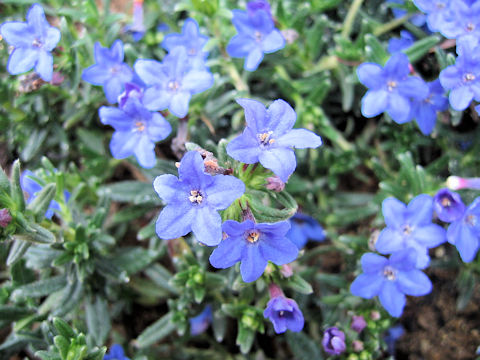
240 46
413 282
179 104
197 81
374 102
393 212
460 98
96 75
281 117
44 66
430 235
207 226
253 59
36 19
392 299
223 190
22 60
145 152
420 210
113 88
175 220
281 161
253 264
278 250
228 253
398 108
123 144
389 241
373 263
300 139
244 148
255 115
274 41
170 188
158 128
370 75
367 285
467 244
192 171
155 98
150 71
17 33
115 117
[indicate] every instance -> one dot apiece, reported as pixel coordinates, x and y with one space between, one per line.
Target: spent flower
304 228
333 341
201 322
283 312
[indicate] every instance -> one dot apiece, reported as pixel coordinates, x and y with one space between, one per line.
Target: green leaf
70 298
133 259
35 141
63 328
418 49
161 276
297 283
62 345
98 320
156 332
245 339
219 325
16 188
135 192
13 313
375 51
303 347
18 248
4 182
42 200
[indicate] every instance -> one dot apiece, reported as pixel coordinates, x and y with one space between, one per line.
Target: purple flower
257 35
304 227
424 111
109 70
464 233
193 201
333 341
458 183
132 91
462 79
136 28
448 205
269 137
358 323
136 131
172 83
32 188
390 88
254 6
116 353
32 41
391 279
192 41
398 44
5 218
200 323
254 245
284 314
438 13
410 227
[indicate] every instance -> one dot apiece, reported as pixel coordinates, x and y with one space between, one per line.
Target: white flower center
195 197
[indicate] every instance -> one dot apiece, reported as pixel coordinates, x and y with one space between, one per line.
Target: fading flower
137 27
448 205
201 322
333 341
304 228
284 314
5 218
358 323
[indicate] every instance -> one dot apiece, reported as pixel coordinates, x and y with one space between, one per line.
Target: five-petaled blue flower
269 137
390 88
448 205
136 131
464 233
257 35
116 353
391 279
109 70
172 83
193 201
410 227
462 18
439 14
200 323
303 228
284 314
32 41
191 40
254 245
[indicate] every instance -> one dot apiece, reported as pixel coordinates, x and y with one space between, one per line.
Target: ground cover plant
239 179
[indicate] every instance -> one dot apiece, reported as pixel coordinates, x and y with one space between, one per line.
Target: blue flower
200 323
424 111
32 188
192 41
132 91
269 137
410 227
136 131
116 353
464 233
417 20
398 44
254 6
390 88
137 27
109 70
462 19
254 245
32 41
391 279
438 13
333 341
391 337
462 79
448 205
284 314
257 35
193 201
304 227
172 83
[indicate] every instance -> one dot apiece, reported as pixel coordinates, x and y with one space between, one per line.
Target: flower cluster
256 36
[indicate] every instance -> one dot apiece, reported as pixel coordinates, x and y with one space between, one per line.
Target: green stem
349 20
391 25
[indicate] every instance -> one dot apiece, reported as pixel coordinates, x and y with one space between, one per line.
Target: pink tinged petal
255 114
467 244
373 263
374 103
397 65
44 66
179 104
281 161
150 71
274 41
420 210
228 253
430 235
240 46
36 19
22 60
112 89
370 75
158 128
460 97
300 139
281 117
95 75
223 191
207 226
254 58
392 299
197 81
367 285
253 264
155 99
393 212
244 148
278 250
123 144
389 241
175 220
52 38
145 152
414 283
17 34
398 108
